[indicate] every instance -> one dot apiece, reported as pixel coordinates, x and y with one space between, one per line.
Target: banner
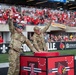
70 45
61 45
58 25
56 46
4 48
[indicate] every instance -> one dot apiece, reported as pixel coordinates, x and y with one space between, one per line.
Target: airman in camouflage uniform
38 38
17 39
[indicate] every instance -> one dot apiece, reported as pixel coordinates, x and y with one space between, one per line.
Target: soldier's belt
15 50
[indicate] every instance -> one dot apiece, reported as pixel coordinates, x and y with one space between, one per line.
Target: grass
4 57
66 52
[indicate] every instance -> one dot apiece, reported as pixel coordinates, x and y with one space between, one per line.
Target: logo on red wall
61 68
34 70
62 46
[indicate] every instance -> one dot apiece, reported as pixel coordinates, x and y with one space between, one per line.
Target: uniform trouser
14 62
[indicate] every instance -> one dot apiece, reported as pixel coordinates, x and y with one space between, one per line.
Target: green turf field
4 57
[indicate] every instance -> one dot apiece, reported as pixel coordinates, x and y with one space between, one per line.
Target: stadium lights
59 7
70 4
72 7
29 0
41 2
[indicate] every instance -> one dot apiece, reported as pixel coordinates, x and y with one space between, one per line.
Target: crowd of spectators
38 16
62 38
50 37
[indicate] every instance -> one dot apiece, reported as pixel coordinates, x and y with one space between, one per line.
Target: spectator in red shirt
36 21
1 40
28 20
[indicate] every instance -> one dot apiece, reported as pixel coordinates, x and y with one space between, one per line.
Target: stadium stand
36 16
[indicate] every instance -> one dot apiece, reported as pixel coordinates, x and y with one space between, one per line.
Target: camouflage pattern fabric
17 39
38 40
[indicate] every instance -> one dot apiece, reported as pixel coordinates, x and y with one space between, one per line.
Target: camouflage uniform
17 39
38 40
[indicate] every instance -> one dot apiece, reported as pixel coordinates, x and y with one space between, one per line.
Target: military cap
18 26
36 28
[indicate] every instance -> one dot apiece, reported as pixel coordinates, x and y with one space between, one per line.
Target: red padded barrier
46 54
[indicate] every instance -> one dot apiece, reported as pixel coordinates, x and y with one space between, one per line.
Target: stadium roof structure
69 5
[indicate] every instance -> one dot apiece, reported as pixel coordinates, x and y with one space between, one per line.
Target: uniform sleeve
29 44
46 27
35 43
11 26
